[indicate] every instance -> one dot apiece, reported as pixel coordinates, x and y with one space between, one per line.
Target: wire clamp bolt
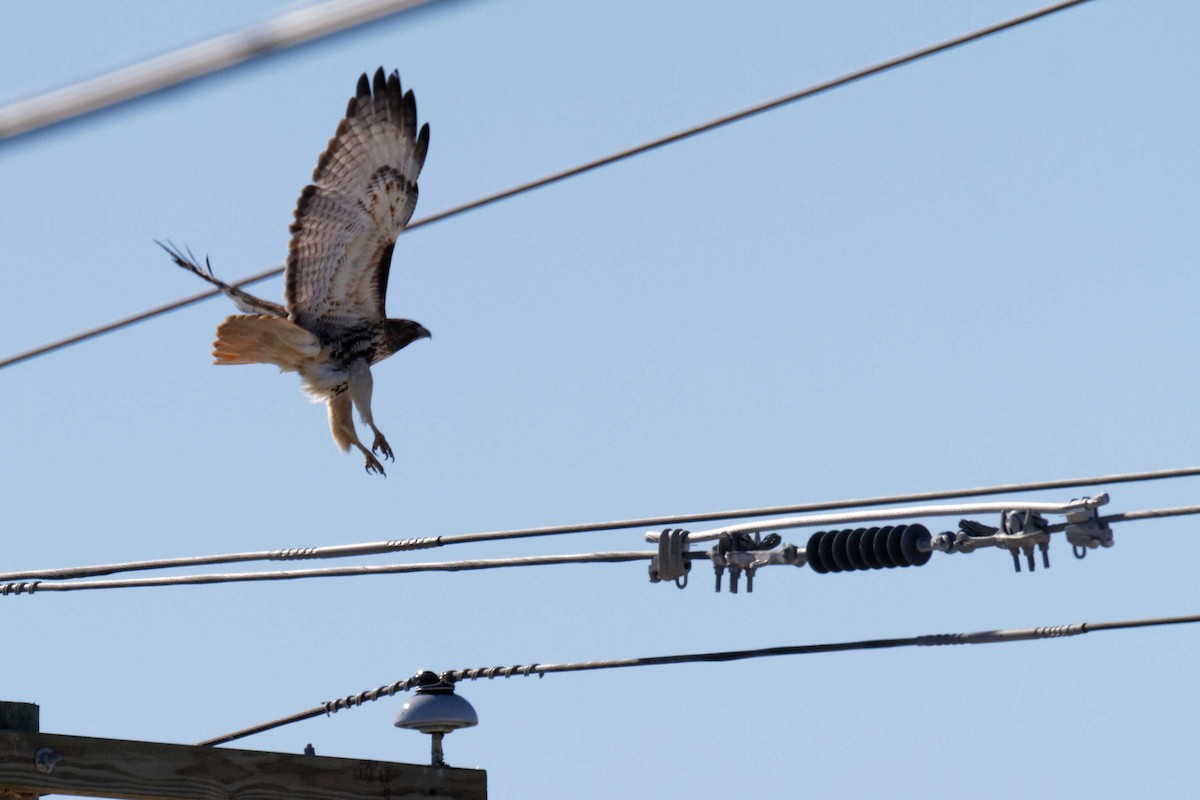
745 553
1023 531
1019 531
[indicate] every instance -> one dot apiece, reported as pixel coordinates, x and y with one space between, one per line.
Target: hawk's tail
254 339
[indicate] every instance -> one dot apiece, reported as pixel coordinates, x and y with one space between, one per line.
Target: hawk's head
400 333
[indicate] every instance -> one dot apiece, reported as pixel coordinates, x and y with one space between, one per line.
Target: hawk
334 327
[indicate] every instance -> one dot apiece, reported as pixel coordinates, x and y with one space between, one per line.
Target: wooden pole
23 717
34 763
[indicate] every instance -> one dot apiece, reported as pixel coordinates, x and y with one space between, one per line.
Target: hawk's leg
361 385
341 424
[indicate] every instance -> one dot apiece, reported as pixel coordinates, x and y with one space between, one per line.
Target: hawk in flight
334 327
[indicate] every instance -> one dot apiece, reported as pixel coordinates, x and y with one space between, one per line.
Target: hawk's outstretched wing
363 194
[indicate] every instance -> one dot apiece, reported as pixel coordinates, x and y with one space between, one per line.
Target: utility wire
378 548
34 586
1132 516
653 144
190 63
979 637
29 587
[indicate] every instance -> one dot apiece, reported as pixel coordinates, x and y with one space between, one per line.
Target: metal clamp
1023 531
1085 531
745 553
671 563
1019 531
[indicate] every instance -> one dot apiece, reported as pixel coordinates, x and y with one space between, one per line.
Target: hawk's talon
382 447
373 466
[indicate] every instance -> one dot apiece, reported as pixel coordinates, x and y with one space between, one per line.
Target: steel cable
929 640
32 586
378 548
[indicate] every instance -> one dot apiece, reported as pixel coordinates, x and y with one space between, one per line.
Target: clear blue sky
977 269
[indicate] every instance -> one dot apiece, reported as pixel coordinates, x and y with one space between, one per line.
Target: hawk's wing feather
241 298
363 193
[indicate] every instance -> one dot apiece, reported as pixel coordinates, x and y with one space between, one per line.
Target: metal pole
437 759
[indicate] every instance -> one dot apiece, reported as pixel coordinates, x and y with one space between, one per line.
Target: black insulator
856 549
910 544
841 554
813 553
895 551
881 548
825 548
866 548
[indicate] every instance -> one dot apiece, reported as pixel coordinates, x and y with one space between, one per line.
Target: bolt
46 759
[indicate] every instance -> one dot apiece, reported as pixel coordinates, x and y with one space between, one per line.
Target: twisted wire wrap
353 700
453 676
415 544
1056 631
988 637
390 546
293 553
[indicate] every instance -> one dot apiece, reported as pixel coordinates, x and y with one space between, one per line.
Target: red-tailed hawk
334 327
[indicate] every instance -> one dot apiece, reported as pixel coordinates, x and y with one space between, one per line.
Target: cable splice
1014 635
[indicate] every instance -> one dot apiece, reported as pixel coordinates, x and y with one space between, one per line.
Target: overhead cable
36 586
582 168
398 545
199 60
33 586
934 640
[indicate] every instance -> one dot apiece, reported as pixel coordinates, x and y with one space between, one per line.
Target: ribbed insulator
867 548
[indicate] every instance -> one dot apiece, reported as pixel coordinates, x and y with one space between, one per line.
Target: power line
32 586
934 640
190 63
398 545
613 158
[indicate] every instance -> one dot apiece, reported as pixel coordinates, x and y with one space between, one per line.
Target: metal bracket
1086 532
1023 531
671 563
1019 531
745 553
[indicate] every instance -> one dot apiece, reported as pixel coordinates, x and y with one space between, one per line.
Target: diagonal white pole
192 62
